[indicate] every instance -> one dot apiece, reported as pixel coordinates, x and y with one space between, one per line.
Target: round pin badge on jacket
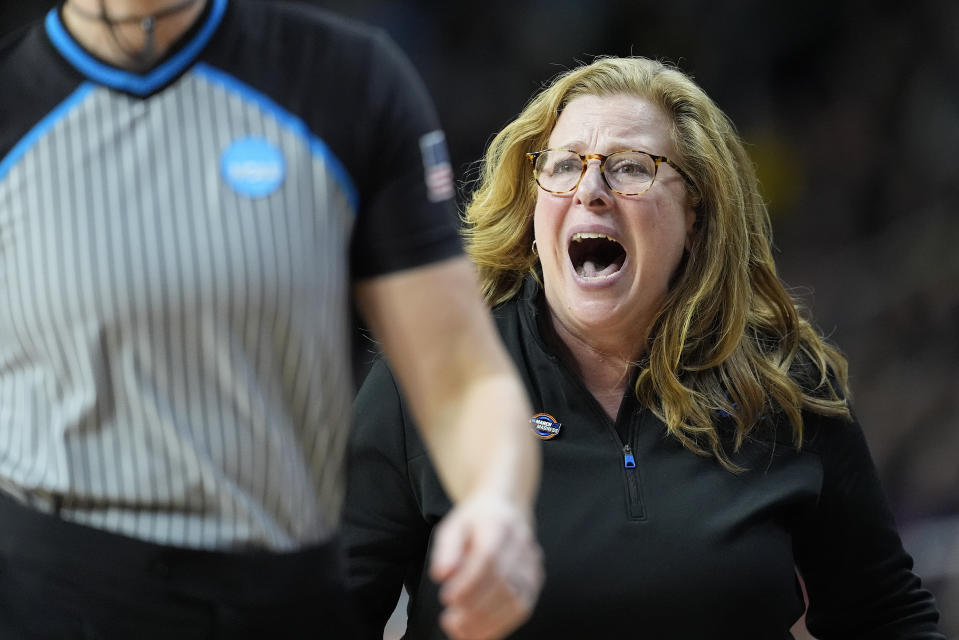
545 426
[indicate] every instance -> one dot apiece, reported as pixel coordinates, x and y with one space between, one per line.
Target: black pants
61 580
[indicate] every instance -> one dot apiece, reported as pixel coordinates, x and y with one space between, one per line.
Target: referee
192 193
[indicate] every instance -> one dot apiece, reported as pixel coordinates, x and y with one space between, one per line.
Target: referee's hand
489 566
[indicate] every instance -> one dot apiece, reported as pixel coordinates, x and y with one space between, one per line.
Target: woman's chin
602 313
595 317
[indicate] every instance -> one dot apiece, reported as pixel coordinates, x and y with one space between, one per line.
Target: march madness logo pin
436 166
545 426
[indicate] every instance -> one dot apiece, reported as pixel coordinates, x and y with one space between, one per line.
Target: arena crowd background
850 109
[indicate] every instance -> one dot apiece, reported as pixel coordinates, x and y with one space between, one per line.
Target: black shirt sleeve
407 216
858 576
384 534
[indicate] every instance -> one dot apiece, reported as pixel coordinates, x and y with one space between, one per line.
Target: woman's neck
604 369
131 34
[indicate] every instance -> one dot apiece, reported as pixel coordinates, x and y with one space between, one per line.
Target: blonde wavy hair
729 339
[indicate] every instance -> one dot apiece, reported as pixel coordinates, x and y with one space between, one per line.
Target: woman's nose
593 191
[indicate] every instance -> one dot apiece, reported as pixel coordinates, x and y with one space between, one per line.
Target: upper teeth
579 237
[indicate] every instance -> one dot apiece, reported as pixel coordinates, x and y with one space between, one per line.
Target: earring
533 248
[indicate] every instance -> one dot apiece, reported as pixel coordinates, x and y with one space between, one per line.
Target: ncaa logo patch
253 167
436 166
545 426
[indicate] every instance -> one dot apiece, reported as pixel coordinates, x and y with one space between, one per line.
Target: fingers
451 540
493 611
490 585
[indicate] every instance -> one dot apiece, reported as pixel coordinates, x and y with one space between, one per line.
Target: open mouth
595 255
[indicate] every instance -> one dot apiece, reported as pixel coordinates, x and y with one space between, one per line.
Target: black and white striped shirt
175 256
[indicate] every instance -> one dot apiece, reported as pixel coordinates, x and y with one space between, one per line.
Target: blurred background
850 110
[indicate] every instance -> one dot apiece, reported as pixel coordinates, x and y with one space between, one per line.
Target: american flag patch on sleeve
436 166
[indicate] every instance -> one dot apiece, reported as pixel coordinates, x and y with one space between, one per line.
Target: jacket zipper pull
628 458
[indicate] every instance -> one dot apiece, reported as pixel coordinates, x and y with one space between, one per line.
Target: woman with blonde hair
699 452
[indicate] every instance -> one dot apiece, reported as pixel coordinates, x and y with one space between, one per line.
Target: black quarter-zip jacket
641 537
